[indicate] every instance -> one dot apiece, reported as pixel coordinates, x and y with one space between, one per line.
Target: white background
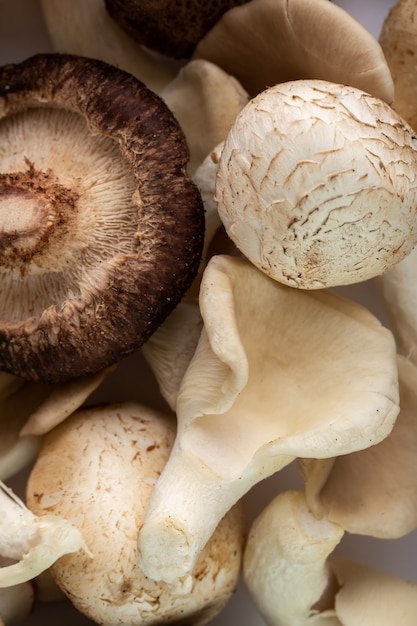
22 33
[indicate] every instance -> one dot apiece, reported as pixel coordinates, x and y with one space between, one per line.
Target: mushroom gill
101 228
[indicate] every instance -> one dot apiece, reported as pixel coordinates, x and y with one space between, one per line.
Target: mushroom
107 228
317 184
295 578
33 543
86 29
265 42
372 491
172 29
398 42
397 289
277 373
205 100
98 469
285 565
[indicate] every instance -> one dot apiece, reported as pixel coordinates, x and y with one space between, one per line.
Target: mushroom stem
36 541
188 502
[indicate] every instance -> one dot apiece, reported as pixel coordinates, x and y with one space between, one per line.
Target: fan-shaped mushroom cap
374 491
86 29
277 373
107 229
265 42
398 41
171 28
368 596
317 184
98 468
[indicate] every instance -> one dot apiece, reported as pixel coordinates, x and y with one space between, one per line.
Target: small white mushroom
278 373
317 184
373 491
265 42
98 469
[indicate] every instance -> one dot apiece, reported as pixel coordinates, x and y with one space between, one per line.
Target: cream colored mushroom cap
265 42
98 468
317 184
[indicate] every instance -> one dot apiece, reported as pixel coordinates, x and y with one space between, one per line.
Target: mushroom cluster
191 188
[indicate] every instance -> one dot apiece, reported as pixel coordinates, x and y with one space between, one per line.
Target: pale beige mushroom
285 565
374 491
86 29
278 373
205 100
295 578
317 184
98 469
398 40
397 289
264 42
32 543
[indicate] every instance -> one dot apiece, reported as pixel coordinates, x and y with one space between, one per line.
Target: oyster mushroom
277 373
285 566
317 184
205 100
295 578
265 42
86 29
373 491
31 542
98 468
106 230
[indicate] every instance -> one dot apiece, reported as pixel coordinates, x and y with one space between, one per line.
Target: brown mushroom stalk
101 227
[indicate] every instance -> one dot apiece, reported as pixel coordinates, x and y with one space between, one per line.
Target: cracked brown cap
101 229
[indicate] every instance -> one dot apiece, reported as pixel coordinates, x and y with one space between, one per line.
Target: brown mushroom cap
172 28
101 229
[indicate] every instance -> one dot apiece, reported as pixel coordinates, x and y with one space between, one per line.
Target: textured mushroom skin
143 286
98 468
172 28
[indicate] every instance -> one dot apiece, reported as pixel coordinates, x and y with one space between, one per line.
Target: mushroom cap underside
115 215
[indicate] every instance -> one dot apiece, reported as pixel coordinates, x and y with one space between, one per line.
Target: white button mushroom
317 184
98 469
277 373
